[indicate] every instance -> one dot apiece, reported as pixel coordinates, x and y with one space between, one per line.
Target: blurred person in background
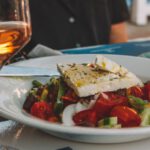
63 24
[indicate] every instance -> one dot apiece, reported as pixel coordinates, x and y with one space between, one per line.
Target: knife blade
9 71
3 147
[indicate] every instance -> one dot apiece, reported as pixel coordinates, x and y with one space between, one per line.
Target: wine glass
15 28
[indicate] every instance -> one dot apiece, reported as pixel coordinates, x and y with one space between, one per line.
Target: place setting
14 93
93 97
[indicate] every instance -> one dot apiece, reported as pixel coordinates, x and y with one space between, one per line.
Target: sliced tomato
106 102
53 119
127 117
136 91
147 91
41 110
68 99
85 118
70 96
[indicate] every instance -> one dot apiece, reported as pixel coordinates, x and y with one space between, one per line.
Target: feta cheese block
106 64
87 81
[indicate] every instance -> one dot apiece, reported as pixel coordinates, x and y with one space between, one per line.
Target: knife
9 71
3 147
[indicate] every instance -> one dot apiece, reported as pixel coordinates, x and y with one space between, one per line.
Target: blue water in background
132 48
129 2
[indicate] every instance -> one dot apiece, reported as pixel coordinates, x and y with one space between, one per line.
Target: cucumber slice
108 122
145 116
117 126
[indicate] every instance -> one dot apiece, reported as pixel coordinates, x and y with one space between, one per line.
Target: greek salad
101 94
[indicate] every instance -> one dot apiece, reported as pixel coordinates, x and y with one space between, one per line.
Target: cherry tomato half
147 91
106 102
70 96
85 118
127 117
53 119
135 91
41 110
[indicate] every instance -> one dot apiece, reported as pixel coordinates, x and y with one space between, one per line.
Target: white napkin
43 51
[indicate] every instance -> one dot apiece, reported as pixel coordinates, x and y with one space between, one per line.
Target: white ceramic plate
13 92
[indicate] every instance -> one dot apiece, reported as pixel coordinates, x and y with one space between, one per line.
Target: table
28 138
